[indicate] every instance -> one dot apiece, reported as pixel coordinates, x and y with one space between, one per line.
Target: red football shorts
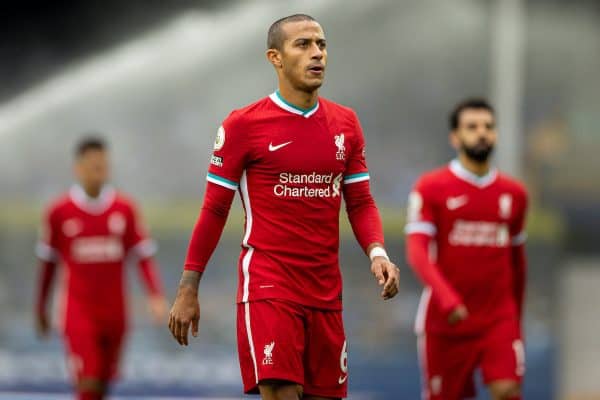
287 341
94 352
448 363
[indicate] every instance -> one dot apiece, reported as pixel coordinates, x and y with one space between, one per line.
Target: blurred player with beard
292 155
471 309
90 231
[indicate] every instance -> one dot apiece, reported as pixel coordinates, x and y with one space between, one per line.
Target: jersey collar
480 181
93 205
282 103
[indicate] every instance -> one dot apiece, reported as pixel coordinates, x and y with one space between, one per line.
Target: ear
274 57
76 169
453 139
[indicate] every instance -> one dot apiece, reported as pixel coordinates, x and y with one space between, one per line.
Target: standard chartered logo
337 182
308 185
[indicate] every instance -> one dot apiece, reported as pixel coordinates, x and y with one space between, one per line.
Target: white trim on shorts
250 341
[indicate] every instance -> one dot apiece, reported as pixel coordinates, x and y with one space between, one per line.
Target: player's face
304 55
91 169
475 135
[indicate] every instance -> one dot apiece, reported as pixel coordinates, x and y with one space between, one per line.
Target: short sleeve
230 150
420 216
356 167
47 246
517 228
137 239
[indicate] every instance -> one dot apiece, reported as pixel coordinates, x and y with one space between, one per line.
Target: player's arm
420 230
185 312
224 174
48 256
364 216
519 258
205 237
366 224
143 247
157 302
45 280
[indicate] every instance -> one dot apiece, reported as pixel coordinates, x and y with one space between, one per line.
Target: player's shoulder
58 204
434 178
248 113
512 184
339 110
343 118
124 201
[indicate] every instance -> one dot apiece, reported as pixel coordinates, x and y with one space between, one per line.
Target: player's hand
42 325
184 313
157 305
387 275
459 313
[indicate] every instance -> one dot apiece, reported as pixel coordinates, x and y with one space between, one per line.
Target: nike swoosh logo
456 202
342 379
274 148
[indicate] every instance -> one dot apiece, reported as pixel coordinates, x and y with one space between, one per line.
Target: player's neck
300 99
91 191
475 167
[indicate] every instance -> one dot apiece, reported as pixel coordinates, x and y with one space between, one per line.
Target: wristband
378 252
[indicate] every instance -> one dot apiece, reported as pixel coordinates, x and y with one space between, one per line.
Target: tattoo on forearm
190 279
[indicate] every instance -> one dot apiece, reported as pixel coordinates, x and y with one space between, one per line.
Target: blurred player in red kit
292 155
472 219
91 230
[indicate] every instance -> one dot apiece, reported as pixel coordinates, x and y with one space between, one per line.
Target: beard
303 83
479 153
307 86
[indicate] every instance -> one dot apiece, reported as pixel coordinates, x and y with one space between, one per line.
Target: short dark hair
89 142
275 36
470 103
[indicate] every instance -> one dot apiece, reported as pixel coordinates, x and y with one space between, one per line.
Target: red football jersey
92 238
473 221
290 166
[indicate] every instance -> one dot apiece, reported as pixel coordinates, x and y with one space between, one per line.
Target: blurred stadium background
157 77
